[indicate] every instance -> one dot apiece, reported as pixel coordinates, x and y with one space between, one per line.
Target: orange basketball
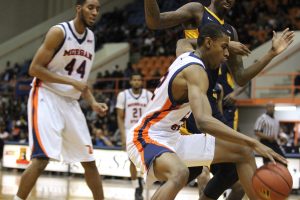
272 182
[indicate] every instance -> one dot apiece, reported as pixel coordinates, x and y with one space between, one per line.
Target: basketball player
157 147
193 16
131 104
57 126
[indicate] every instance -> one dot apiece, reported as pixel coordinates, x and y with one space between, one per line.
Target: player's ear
208 42
78 8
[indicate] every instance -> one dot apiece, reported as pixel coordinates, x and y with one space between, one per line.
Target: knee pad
225 175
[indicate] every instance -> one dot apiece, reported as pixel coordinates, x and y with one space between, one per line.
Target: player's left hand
268 152
238 48
100 108
281 41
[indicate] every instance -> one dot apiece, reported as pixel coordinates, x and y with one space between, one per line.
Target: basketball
272 182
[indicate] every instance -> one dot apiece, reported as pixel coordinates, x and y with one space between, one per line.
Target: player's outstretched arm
157 20
280 42
43 56
197 83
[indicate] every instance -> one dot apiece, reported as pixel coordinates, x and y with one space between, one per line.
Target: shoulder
195 8
262 117
195 73
57 30
54 36
122 93
148 91
90 32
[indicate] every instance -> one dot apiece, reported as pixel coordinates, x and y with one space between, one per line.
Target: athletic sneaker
139 194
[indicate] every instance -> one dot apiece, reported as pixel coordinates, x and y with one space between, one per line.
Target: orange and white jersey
163 116
73 59
157 132
133 105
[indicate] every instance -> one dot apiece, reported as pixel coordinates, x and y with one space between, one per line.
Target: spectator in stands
101 138
8 72
267 130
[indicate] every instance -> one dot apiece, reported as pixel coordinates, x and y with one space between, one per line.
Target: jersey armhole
174 76
61 26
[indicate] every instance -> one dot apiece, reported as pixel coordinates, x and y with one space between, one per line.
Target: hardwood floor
63 187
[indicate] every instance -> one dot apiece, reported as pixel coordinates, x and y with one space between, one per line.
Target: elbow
153 24
202 125
32 71
240 81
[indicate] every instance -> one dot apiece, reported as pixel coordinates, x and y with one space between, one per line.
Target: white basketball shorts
193 150
57 127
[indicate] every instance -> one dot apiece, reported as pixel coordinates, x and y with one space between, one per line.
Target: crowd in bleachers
253 19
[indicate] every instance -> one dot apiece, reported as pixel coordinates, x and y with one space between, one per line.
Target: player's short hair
211 30
135 74
80 2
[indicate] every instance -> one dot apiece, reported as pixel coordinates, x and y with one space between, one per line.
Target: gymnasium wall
18 16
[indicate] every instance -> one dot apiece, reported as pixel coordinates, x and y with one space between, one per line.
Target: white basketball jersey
74 60
135 106
163 114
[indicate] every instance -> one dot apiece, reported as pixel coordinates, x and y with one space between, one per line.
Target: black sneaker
139 194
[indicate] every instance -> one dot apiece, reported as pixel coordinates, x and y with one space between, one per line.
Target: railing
105 85
115 85
280 88
275 85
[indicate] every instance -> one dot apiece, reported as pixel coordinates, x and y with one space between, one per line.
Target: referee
267 130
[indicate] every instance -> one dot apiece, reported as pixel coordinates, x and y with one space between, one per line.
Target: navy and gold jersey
226 80
208 17
229 111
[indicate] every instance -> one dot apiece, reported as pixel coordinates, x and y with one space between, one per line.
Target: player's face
219 52
224 4
136 82
89 12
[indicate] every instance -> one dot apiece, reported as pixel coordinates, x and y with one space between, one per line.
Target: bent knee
180 176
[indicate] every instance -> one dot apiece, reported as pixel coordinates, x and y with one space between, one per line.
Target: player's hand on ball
281 41
238 48
268 153
100 108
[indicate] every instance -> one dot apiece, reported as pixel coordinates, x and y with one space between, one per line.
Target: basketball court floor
62 187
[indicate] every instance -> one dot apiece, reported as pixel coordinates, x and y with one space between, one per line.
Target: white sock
135 183
17 198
